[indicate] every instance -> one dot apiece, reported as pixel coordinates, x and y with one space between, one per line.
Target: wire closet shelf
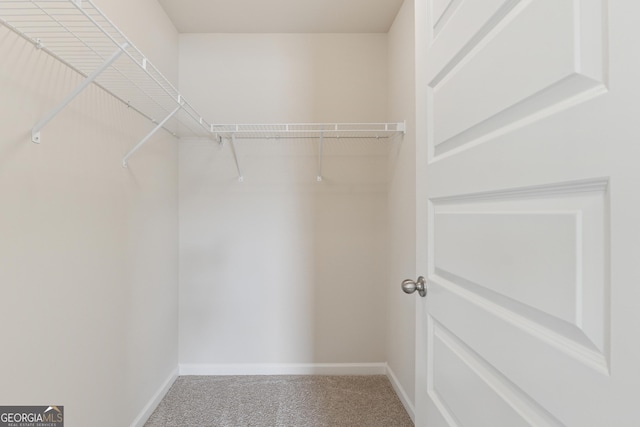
79 35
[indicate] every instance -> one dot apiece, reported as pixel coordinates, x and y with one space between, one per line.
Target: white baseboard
402 394
285 369
155 400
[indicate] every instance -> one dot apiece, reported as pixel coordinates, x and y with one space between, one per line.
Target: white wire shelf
320 131
310 130
79 35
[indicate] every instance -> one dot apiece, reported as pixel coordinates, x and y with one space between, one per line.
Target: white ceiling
282 16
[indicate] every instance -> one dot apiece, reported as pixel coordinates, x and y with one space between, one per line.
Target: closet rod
276 137
310 130
308 127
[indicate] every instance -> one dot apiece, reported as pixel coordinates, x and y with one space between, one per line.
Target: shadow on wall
70 275
281 268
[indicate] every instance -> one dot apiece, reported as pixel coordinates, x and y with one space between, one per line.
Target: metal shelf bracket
320 142
149 135
35 132
79 35
235 157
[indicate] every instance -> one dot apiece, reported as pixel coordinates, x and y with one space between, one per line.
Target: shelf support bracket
149 135
235 157
320 147
35 132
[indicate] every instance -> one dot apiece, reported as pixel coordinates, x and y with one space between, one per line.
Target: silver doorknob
420 285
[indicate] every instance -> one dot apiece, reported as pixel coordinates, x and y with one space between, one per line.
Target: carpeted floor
269 401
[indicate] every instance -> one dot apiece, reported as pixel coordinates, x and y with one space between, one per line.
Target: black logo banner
32 416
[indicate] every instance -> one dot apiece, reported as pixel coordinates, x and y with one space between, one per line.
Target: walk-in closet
197 204
319 212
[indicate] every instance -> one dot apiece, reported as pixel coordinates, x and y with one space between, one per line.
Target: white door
529 213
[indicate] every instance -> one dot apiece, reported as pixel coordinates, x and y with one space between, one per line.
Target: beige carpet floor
289 400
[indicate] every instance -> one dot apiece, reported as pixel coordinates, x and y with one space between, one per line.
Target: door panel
531 58
517 248
459 28
527 175
473 392
522 256
550 371
438 10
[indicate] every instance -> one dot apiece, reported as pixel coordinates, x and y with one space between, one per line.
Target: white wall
400 347
88 250
279 269
282 269
271 78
